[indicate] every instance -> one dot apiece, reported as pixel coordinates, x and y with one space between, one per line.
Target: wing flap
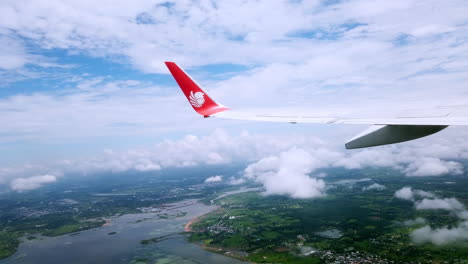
378 135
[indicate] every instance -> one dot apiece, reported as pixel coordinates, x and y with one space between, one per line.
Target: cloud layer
407 193
374 186
217 178
26 184
428 201
272 155
450 204
441 236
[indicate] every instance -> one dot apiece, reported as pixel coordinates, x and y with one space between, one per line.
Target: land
79 202
348 225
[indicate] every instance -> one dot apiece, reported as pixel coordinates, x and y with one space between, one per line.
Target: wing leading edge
387 130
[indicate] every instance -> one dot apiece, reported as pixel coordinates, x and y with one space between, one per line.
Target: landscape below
349 224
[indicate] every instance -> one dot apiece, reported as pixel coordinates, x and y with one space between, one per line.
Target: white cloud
15 56
433 167
236 181
26 184
441 236
267 31
423 194
374 186
352 181
318 52
463 214
416 221
428 201
217 178
413 158
430 30
12 53
220 148
407 193
215 148
288 174
450 204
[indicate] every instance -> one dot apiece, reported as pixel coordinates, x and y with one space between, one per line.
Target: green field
277 229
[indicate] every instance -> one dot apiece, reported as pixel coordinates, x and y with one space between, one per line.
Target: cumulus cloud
236 181
217 178
145 165
463 214
288 174
428 166
407 193
423 194
352 181
440 236
374 186
450 204
428 201
413 158
215 148
26 184
416 221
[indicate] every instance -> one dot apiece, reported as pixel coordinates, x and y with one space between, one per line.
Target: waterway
119 241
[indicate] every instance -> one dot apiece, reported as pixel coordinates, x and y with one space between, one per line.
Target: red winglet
199 99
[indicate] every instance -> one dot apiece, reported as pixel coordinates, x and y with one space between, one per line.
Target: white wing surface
388 128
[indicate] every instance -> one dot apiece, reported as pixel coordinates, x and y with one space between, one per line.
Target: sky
84 86
84 89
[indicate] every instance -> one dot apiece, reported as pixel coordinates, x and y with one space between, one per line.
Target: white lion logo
197 99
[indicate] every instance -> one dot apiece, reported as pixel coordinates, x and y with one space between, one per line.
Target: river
102 245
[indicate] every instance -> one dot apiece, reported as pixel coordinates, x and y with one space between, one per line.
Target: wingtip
349 146
199 99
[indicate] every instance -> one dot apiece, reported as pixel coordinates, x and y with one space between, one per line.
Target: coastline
188 225
107 222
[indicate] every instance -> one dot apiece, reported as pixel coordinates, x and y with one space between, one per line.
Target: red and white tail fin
199 99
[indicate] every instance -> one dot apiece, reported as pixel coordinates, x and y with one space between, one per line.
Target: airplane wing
385 130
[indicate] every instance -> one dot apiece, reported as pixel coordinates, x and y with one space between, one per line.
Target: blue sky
81 81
